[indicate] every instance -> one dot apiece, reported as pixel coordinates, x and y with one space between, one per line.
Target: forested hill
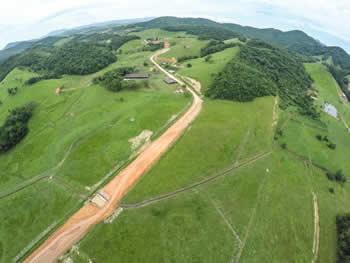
296 40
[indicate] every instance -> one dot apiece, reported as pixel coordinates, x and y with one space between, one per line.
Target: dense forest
84 54
343 236
241 82
270 70
204 32
15 127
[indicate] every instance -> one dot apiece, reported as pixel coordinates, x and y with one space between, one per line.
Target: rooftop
137 76
170 81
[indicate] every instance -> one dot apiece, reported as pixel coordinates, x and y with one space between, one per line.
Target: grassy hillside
83 124
203 71
272 226
215 142
29 215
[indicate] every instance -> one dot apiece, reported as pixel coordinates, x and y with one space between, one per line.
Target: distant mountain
19 46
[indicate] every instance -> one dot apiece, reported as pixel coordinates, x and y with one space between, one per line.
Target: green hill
261 174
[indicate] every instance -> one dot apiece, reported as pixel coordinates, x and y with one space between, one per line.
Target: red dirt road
89 215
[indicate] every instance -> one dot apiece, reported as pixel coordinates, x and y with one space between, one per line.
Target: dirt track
89 215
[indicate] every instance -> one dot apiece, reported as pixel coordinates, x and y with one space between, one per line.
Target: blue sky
323 19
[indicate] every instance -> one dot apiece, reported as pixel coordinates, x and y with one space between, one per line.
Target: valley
235 162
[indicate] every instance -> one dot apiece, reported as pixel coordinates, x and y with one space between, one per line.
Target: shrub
208 58
337 176
332 146
183 58
331 190
284 146
12 91
319 137
189 65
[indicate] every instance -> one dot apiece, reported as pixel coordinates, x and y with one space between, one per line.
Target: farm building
137 76
170 81
171 71
331 110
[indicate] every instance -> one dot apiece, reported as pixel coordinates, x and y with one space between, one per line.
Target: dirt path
234 233
195 84
316 243
89 215
251 221
275 114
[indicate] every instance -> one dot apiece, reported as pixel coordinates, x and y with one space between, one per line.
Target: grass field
83 117
79 136
300 130
28 213
203 71
271 212
328 89
223 133
185 47
157 33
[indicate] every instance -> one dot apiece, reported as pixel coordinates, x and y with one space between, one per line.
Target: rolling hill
258 174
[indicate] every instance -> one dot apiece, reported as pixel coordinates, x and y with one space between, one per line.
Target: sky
324 20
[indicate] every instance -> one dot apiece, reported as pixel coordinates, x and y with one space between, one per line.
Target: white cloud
26 19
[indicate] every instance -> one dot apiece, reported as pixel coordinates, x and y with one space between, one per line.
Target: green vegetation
249 198
81 56
31 214
205 72
261 70
15 127
113 80
337 176
204 32
236 139
343 233
216 46
153 46
240 82
185 48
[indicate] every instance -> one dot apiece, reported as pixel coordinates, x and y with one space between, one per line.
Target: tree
189 65
332 146
208 58
12 91
319 137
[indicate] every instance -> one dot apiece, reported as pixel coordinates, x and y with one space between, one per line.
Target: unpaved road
89 215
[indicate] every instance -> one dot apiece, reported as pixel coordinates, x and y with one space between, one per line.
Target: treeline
15 127
216 46
184 58
343 238
204 32
270 71
113 80
340 76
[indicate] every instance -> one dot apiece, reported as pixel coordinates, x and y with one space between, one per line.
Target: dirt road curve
78 225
